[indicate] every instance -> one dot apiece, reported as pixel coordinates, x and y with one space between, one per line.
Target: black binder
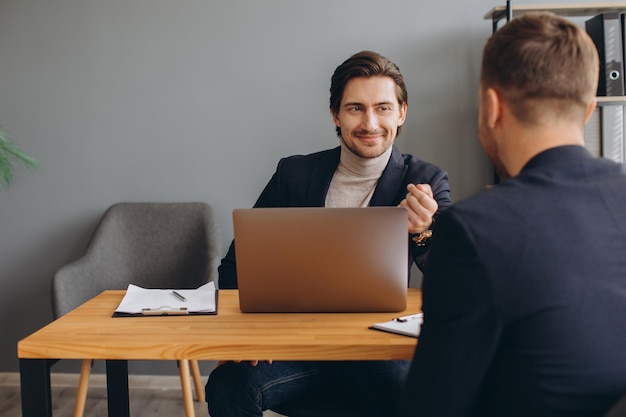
606 31
623 27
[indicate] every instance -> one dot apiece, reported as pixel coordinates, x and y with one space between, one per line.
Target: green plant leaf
11 156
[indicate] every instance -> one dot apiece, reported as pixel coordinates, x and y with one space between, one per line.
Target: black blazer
303 181
524 296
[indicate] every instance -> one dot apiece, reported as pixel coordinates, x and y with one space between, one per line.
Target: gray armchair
153 245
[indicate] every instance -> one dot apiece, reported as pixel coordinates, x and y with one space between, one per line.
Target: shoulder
418 171
487 213
312 158
417 167
488 205
298 168
412 161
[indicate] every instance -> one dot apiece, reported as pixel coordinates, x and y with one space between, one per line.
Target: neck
524 143
359 166
514 143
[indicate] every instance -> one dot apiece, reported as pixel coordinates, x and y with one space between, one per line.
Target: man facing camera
368 103
524 293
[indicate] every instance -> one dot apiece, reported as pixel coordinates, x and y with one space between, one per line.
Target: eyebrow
356 103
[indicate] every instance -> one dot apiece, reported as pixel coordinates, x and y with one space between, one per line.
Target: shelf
571 9
606 124
611 101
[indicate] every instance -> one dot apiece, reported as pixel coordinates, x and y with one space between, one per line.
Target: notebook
309 259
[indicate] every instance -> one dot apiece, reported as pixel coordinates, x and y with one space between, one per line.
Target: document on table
140 301
406 325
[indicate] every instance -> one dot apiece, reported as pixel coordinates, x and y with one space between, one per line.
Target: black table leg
117 388
35 387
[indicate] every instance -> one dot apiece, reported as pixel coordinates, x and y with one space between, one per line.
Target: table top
89 332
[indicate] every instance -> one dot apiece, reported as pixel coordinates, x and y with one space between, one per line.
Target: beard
491 149
363 150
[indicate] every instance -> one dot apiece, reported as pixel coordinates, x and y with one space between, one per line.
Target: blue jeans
243 390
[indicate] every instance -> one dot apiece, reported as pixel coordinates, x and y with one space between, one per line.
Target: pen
180 297
404 319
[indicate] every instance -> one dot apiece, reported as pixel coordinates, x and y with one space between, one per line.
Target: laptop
311 259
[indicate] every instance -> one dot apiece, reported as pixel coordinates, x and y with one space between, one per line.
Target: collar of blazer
389 185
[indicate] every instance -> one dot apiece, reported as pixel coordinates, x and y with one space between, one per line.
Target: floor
154 396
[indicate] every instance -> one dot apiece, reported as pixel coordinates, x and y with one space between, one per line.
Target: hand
252 363
421 205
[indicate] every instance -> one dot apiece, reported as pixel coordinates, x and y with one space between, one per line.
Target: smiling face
369 115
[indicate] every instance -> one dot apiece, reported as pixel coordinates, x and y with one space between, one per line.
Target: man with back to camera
368 104
524 294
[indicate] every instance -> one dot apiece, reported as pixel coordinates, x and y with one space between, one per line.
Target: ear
590 108
335 117
402 118
493 103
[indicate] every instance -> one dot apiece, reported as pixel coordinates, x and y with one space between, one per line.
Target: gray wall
196 100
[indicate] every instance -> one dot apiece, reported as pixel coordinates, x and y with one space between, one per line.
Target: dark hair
541 58
364 64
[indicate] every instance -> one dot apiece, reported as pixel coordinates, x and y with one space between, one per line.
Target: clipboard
164 311
140 302
410 325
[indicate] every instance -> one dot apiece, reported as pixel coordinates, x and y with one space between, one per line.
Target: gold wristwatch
422 238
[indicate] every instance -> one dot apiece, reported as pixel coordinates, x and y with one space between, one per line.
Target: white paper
200 300
411 327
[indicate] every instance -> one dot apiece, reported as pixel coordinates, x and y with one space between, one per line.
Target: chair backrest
619 409
154 245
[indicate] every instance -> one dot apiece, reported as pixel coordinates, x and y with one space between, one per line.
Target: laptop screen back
309 259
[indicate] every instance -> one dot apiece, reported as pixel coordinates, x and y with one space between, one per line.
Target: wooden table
89 332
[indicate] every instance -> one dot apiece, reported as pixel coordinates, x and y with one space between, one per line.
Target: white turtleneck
355 179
